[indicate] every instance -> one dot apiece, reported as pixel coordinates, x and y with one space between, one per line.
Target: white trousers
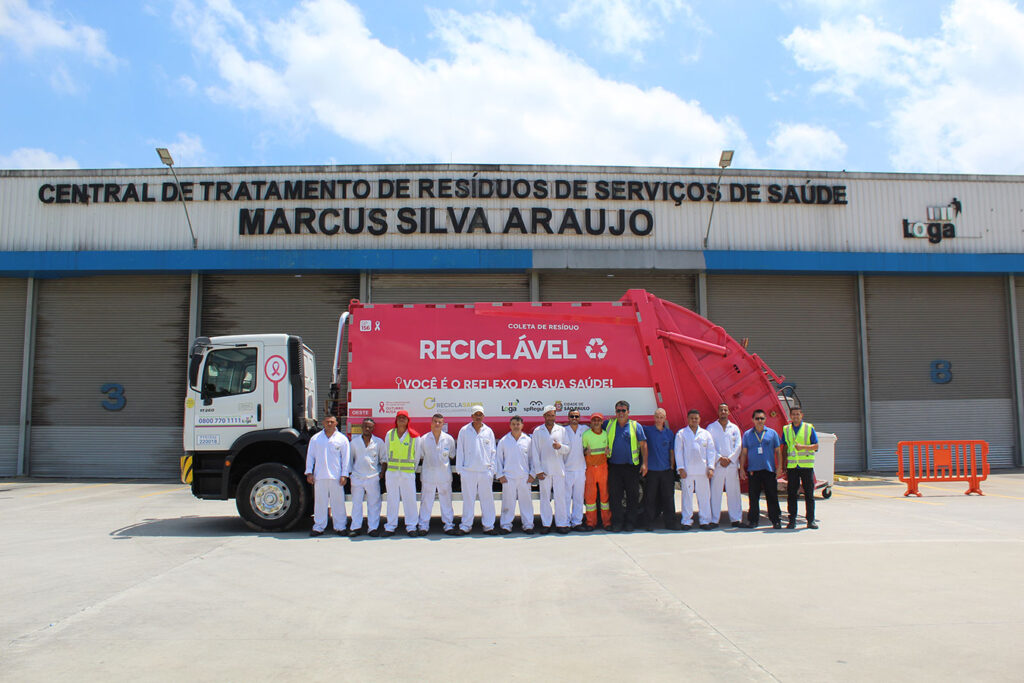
370 490
552 486
700 485
401 487
516 490
477 486
727 478
575 482
328 493
443 491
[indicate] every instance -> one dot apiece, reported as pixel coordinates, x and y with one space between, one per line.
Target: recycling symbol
596 348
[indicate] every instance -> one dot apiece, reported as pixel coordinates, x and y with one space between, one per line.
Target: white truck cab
250 408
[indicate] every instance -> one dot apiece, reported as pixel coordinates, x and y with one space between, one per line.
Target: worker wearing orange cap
400 477
595 450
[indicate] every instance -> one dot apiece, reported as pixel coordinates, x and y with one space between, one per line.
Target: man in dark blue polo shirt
659 484
627 462
760 459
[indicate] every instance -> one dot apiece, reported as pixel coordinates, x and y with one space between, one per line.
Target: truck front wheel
271 497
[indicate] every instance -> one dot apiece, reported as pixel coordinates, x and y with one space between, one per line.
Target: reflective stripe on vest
795 458
612 424
400 455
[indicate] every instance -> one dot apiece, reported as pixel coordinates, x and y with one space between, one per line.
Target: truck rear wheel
271 497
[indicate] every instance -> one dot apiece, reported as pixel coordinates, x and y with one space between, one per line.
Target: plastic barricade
949 460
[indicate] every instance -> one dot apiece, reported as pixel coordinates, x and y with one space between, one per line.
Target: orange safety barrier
949 460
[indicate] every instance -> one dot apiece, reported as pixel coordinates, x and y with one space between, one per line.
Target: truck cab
250 409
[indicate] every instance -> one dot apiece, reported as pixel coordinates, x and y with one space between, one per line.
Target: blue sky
860 85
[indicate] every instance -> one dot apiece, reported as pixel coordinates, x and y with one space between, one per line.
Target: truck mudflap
516 357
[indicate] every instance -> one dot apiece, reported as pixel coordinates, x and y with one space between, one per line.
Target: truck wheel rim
270 498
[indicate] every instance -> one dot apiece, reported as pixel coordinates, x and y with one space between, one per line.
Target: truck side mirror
195 360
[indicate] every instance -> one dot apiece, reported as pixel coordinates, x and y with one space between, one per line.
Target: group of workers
590 476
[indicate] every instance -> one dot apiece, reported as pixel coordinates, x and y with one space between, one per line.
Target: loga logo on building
939 225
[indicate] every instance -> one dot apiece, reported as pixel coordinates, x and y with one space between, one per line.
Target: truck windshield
229 372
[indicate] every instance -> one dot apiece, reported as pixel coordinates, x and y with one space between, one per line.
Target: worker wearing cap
728 440
660 482
368 456
400 476
575 471
595 450
513 470
474 461
327 466
434 453
627 462
549 452
799 444
695 452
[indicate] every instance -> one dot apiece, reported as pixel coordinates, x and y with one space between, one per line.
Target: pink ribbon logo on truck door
275 369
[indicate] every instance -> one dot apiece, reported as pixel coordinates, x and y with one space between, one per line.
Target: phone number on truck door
226 421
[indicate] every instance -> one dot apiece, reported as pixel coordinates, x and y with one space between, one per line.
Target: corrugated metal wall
99 331
823 360
915 322
448 288
603 285
12 340
308 306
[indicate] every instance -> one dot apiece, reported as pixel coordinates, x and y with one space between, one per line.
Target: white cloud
34 30
35 158
621 26
805 147
187 84
186 150
498 93
954 99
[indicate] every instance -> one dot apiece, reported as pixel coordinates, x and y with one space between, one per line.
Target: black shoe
585 527
737 525
341 532
672 526
792 524
650 527
491 532
628 527
812 524
374 533
562 529
412 533
707 527
355 532
451 532
504 532
616 528
748 525
315 533
580 527
686 527
387 534
422 532
528 532
776 525
545 529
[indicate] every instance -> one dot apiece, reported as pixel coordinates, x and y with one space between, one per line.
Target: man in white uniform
434 453
695 451
400 477
474 461
513 465
728 441
549 452
368 454
575 471
327 464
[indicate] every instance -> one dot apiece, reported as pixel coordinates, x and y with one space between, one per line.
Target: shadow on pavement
194 526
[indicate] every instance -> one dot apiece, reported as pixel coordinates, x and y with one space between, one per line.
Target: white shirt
545 458
328 457
367 459
514 457
575 461
694 452
434 457
727 441
475 451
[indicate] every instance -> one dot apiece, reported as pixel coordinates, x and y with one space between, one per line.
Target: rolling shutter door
308 306
455 288
12 336
101 333
823 362
914 322
601 285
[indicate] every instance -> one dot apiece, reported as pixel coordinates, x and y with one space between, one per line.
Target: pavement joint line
693 611
160 493
73 488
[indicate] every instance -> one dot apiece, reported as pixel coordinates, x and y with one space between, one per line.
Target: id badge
760 449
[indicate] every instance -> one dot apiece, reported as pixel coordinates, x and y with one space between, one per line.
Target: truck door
230 396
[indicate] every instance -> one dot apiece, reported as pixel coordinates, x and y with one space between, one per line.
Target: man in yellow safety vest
799 444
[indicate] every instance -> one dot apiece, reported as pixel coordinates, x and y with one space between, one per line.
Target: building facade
891 302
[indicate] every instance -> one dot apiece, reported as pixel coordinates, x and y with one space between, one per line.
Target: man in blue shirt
627 462
759 460
659 484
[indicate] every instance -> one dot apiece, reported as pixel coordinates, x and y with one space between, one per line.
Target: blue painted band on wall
861 262
70 263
